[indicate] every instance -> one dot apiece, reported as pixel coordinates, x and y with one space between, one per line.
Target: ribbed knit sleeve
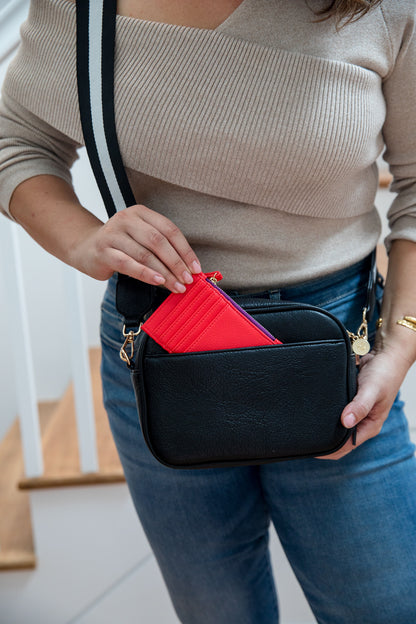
38 91
29 147
399 130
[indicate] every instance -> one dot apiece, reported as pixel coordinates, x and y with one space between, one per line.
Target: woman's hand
380 377
138 242
383 370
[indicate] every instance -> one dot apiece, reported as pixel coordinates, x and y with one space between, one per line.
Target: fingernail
196 267
159 279
179 288
349 421
187 277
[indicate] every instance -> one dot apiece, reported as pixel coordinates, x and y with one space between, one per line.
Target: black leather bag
217 408
251 405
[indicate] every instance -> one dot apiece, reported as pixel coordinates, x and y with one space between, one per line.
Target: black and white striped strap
96 22
96 33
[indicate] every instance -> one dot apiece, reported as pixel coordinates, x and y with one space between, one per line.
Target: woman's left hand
380 377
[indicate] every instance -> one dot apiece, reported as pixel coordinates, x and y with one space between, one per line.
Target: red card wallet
204 318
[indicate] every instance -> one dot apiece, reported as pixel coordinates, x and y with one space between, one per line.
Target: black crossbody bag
233 406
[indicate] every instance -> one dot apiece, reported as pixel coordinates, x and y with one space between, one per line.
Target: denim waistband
316 291
339 282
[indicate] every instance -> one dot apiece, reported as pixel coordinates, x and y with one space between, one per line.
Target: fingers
367 411
156 250
123 263
152 248
368 428
359 407
143 257
175 237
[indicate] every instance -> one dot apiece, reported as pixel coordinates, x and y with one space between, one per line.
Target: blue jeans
348 527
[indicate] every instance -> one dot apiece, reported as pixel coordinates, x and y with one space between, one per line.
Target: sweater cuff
10 184
404 228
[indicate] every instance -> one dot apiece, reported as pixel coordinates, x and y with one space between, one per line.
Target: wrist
397 337
80 253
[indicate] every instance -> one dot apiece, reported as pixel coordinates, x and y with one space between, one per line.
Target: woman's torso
257 137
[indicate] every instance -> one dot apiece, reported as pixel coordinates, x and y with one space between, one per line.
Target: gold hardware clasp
129 340
359 341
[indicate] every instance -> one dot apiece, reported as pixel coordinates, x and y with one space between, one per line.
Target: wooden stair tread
16 543
17 560
60 443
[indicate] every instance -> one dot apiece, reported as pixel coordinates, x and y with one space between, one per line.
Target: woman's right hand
141 243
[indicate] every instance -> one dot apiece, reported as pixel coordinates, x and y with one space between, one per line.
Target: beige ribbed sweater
258 139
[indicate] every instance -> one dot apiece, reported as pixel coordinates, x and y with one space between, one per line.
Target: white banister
80 367
12 15
21 351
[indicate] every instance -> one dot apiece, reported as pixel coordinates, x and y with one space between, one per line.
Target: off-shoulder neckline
138 20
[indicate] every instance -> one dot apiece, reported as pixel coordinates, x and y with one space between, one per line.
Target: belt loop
274 294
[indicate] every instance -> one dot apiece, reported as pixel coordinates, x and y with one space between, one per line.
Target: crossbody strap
96 33
96 24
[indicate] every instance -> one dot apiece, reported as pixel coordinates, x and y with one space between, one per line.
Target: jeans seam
355 291
272 587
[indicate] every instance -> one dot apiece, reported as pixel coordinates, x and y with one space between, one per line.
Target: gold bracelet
408 321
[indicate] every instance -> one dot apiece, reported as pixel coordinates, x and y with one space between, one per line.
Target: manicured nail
159 279
196 267
187 277
179 288
349 421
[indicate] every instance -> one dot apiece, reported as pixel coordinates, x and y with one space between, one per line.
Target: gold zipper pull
214 277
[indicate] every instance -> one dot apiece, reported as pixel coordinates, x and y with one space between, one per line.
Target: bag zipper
215 277
359 341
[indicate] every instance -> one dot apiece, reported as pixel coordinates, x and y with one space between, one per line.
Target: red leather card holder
204 318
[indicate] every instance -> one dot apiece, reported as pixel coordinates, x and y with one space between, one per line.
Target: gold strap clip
129 340
359 341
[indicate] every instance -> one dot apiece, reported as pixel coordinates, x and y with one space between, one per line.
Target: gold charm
360 346
359 341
